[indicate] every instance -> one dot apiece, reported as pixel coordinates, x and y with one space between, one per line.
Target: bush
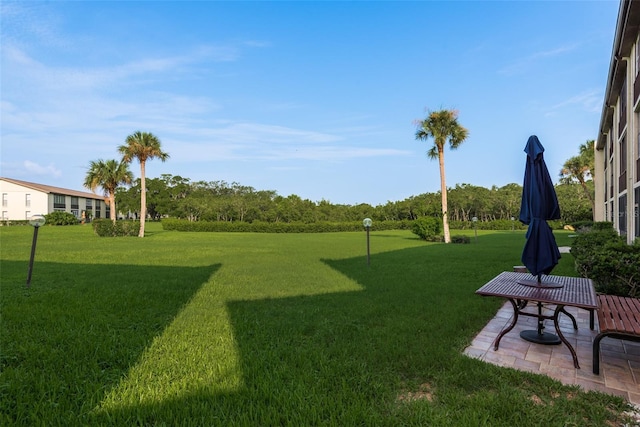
428 228
8 222
107 228
496 224
604 257
61 218
586 226
460 239
279 227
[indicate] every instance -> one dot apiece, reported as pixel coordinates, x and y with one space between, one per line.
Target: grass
261 329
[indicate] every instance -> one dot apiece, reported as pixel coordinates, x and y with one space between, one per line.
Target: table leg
556 314
514 320
573 319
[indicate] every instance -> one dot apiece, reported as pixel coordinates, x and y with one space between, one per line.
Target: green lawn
263 330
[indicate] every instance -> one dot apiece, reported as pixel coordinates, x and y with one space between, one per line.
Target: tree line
179 197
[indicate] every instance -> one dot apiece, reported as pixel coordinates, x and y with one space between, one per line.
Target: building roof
53 190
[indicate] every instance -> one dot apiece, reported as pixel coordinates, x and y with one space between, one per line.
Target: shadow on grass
344 358
78 329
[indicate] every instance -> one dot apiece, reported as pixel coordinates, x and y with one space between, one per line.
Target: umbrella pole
539 336
540 322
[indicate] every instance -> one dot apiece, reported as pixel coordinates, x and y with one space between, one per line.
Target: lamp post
475 226
367 225
36 221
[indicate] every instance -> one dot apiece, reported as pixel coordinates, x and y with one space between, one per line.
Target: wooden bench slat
618 317
619 314
627 315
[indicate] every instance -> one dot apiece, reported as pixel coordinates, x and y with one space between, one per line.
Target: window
610 147
611 181
5 200
27 215
638 155
611 211
59 202
623 155
622 179
27 200
622 116
74 203
89 201
636 211
5 215
622 215
637 55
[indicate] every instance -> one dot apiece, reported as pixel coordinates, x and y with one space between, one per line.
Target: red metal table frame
575 292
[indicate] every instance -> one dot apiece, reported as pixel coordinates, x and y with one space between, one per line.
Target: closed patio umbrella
540 254
539 204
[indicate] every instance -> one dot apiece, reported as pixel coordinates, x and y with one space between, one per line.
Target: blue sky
317 99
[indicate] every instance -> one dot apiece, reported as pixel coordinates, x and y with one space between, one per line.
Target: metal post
33 254
36 221
475 226
367 225
368 253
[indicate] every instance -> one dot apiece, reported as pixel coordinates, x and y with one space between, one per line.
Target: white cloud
36 169
521 65
590 101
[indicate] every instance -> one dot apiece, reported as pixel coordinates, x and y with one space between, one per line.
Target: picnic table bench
619 317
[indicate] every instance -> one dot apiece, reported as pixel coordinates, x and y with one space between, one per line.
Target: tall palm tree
142 146
108 175
579 168
442 126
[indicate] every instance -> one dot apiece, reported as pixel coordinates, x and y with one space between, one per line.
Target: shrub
279 227
496 224
8 222
107 228
586 226
427 228
460 239
604 257
61 218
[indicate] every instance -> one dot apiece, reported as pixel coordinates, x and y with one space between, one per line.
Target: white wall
15 198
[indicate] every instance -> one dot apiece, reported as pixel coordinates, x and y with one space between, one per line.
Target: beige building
617 148
22 199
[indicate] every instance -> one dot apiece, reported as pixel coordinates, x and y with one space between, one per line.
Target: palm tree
142 146
442 126
579 168
108 175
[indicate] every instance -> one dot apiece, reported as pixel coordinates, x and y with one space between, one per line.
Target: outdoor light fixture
36 221
367 224
513 224
475 227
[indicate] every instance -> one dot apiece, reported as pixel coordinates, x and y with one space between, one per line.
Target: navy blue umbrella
539 204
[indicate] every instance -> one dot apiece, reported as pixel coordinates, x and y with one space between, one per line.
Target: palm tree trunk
143 199
112 205
443 192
